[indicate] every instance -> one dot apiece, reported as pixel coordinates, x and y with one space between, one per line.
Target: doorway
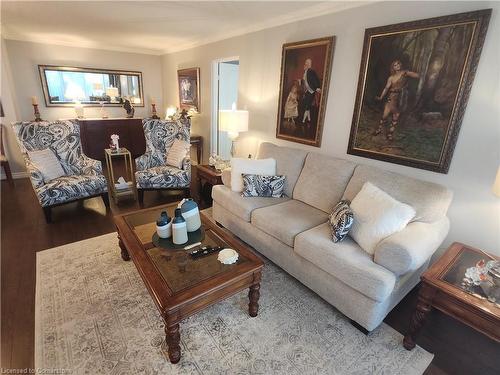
225 77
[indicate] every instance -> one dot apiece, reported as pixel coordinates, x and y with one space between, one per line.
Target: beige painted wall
24 58
475 212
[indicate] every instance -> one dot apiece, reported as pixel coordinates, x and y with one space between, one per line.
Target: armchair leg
47 211
140 197
105 199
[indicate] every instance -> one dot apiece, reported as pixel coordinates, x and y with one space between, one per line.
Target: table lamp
233 122
496 185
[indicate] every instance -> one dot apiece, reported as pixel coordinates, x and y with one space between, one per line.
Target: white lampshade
496 185
233 121
112 91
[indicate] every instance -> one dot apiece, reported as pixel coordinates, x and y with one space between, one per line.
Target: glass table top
469 272
176 266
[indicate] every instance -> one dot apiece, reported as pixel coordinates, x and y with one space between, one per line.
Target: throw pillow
255 185
177 153
239 166
341 220
47 163
376 216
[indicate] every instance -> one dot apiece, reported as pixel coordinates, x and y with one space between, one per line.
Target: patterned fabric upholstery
152 170
84 176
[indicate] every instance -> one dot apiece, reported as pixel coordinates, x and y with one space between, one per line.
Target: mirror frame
45 89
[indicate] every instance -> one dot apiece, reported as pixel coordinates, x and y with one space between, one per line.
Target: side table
207 177
130 190
443 289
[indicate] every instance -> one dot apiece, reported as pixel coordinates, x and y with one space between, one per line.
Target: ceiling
153 27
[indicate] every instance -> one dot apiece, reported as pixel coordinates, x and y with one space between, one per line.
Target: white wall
475 211
24 58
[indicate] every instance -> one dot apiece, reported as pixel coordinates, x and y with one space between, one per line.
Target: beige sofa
293 231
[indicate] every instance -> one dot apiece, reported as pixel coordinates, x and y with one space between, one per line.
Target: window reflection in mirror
63 86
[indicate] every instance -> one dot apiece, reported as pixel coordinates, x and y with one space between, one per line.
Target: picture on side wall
413 87
189 88
305 77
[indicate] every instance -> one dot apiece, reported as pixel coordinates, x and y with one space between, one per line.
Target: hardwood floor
457 348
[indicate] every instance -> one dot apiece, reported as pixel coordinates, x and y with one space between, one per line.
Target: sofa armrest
410 248
226 177
89 166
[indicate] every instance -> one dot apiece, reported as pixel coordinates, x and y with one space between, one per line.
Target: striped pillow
177 153
47 163
341 220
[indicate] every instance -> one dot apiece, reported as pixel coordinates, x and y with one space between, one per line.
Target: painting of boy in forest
410 83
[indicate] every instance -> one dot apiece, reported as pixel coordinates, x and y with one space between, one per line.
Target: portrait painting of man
305 74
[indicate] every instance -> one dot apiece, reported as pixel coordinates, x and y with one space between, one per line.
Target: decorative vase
191 214
179 228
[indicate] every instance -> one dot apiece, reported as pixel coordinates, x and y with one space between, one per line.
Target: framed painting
189 88
413 87
305 78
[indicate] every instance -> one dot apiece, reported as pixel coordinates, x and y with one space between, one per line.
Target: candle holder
38 118
153 111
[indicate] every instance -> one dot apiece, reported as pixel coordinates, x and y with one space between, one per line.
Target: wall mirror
64 86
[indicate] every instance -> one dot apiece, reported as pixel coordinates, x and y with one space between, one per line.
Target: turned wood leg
253 296
47 211
124 252
173 338
424 306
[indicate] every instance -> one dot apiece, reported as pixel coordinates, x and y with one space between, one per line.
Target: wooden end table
207 178
179 285
442 289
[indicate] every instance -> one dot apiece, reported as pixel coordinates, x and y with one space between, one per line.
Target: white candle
34 100
153 101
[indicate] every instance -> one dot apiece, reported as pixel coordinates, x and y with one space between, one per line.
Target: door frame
214 121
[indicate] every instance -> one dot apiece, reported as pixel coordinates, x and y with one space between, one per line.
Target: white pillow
47 163
177 153
376 216
266 167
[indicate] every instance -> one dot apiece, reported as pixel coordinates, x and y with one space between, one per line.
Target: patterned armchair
84 177
152 172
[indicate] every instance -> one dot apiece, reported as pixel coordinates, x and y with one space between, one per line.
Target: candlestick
34 100
38 118
153 110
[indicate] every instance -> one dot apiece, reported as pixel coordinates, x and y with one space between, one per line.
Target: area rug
95 316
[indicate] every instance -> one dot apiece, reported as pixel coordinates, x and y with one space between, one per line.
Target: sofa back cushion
289 162
430 200
323 181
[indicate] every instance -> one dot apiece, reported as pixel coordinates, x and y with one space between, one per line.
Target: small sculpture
114 145
129 108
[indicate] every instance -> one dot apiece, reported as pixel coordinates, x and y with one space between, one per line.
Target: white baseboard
15 175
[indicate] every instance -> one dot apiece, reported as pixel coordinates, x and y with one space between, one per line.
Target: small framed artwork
189 88
413 87
305 78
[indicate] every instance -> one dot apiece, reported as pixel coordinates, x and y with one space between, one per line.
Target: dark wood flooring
457 348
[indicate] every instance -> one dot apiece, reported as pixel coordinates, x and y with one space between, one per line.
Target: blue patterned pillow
255 185
341 220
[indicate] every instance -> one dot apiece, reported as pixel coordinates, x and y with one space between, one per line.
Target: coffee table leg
424 306
173 340
124 252
253 296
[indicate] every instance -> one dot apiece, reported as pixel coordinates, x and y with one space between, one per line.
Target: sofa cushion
430 201
285 220
323 181
266 167
346 261
241 206
289 162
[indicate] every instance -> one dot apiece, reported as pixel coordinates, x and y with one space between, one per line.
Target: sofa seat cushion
241 206
163 177
285 220
70 188
346 261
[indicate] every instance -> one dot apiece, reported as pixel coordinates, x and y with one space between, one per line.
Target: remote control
204 251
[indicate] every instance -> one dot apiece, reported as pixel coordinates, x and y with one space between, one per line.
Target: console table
96 132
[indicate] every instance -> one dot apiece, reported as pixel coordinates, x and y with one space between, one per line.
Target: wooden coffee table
442 289
180 285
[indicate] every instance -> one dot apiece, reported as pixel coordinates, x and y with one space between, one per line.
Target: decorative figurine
34 102
114 145
129 108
